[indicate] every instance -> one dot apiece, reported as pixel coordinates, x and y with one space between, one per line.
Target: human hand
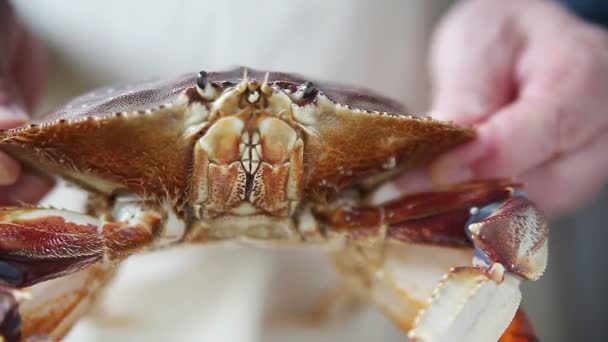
533 79
22 77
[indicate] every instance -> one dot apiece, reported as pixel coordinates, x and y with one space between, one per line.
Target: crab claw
469 305
515 236
478 303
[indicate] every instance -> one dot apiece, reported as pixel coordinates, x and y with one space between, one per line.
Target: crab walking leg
514 234
470 304
398 278
512 242
42 244
56 305
436 218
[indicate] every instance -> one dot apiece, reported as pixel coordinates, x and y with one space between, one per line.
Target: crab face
232 155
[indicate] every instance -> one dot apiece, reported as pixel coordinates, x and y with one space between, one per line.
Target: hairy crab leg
41 244
511 243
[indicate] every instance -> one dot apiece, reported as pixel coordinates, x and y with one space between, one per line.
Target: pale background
218 294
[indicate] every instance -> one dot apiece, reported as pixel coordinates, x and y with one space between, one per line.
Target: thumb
510 142
472 77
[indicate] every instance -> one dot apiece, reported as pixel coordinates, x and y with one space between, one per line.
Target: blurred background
224 294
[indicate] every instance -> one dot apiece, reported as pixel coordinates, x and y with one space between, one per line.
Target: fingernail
11 116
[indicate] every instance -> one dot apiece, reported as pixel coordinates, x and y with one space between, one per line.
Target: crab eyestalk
204 87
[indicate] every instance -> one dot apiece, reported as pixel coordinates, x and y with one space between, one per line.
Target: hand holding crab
22 64
533 79
22 70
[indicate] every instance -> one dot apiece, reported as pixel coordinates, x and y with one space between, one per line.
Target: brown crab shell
133 137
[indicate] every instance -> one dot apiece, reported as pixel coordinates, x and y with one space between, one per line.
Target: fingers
537 99
514 140
561 183
471 67
29 188
560 109
22 77
414 181
9 169
560 105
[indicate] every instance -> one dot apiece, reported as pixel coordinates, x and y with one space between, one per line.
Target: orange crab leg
41 244
520 329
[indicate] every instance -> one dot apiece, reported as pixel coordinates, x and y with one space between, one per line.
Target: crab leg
520 330
436 218
56 305
41 244
512 243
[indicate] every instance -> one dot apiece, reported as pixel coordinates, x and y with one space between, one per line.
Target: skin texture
22 77
533 82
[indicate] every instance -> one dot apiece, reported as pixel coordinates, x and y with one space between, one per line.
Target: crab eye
204 88
201 80
308 91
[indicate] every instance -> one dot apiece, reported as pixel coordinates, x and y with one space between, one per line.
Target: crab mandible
265 157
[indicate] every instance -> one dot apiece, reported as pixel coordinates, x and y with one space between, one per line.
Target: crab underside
266 157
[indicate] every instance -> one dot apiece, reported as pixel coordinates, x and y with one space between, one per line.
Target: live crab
266 157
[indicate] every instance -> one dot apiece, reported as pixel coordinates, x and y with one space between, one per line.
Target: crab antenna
245 82
265 87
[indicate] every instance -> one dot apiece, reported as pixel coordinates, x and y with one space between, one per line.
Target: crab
271 159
